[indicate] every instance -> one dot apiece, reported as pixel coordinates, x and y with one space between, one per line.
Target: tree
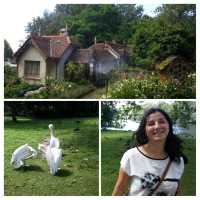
108 114
15 108
8 52
184 113
85 22
171 32
51 109
130 110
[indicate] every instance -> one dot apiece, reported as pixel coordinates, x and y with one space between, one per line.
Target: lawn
114 144
79 167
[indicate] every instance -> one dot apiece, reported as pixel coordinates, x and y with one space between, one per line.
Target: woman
157 155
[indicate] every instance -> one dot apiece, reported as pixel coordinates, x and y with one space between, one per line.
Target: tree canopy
182 113
51 109
8 52
172 31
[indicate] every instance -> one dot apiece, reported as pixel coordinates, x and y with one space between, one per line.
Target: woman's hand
122 183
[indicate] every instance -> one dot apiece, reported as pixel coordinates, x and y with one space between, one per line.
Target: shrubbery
153 88
76 72
64 89
14 87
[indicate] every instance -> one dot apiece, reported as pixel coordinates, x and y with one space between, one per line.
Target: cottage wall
32 54
51 69
62 61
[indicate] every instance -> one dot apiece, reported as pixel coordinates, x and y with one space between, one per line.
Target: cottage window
32 68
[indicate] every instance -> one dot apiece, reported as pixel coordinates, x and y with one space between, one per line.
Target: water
131 125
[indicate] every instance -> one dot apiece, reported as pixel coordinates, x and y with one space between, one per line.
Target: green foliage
15 87
8 52
87 21
76 72
184 113
171 32
153 88
10 75
79 167
109 116
51 109
64 89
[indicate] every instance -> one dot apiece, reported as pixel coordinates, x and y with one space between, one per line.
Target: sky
22 13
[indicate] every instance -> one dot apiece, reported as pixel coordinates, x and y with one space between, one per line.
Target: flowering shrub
153 88
64 89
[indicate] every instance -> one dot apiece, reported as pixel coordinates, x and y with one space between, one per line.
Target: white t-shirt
145 173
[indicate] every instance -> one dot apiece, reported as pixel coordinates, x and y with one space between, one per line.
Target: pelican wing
22 153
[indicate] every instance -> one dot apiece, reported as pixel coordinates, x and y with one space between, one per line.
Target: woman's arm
122 183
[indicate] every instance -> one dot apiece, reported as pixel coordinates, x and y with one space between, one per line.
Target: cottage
100 57
42 57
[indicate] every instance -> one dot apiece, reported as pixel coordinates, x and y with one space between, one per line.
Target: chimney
64 31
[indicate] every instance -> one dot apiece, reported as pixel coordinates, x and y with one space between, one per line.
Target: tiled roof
96 51
50 46
56 45
81 56
116 48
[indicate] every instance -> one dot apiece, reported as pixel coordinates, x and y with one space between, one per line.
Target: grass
79 168
115 143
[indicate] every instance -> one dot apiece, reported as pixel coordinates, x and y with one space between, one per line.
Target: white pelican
21 154
54 142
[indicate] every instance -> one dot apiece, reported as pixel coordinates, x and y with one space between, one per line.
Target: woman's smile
157 127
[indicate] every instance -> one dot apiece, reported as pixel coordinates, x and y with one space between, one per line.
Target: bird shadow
64 173
26 168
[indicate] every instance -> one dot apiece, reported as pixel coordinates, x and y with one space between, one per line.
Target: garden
15 87
118 84
161 53
151 86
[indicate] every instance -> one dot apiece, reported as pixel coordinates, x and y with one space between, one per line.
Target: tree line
172 31
51 109
113 114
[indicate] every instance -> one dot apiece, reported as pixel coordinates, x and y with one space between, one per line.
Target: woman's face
157 127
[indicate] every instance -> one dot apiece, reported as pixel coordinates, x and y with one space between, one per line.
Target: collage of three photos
100 100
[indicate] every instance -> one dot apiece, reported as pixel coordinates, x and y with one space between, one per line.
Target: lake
131 125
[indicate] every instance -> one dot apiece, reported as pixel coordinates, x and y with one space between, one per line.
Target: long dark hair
173 145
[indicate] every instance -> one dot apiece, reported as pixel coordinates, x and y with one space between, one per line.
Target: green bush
10 75
75 72
64 89
16 88
153 88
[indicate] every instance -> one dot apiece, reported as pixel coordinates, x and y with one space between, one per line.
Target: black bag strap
161 178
